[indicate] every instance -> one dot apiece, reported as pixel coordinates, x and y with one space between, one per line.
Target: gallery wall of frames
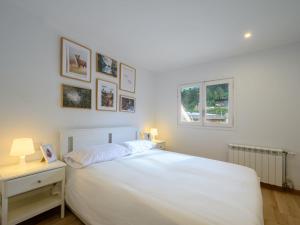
112 76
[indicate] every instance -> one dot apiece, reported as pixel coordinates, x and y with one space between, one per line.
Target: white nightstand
161 144
31 189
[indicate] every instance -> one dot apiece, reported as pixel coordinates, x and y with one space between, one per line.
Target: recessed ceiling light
247 35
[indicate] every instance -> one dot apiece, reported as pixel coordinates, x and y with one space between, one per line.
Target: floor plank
280 208
52 217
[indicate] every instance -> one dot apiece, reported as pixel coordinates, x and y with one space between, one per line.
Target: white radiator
268 163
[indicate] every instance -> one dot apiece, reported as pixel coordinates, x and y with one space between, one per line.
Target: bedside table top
159 141
17 170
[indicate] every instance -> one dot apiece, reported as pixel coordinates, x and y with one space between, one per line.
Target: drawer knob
39 181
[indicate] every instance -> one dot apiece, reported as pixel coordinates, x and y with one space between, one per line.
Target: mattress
164 188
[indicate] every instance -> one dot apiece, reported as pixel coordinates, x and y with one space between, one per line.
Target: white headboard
73 139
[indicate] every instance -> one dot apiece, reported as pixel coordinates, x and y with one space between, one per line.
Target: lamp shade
22 147
154 131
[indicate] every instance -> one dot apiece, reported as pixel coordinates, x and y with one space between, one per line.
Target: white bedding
163 188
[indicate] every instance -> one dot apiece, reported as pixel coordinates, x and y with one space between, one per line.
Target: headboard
73 139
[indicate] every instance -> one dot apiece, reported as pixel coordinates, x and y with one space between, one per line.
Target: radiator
268 163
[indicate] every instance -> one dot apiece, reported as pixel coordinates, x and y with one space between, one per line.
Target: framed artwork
127 104
127 78
76 97
106 65
48 153
106 95
75 60
147 136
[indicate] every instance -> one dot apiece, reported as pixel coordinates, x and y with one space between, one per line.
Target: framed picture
127 78
106 65
48 153
75 60
127 104
147 136
106 95
76 97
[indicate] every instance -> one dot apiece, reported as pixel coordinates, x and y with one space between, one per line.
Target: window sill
198 126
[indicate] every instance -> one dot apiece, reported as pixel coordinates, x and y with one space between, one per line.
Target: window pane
190 104
217 108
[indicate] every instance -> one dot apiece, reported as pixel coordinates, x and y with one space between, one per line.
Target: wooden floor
52 217
280 208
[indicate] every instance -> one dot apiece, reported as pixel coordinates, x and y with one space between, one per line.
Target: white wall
267 105
30 84
267 101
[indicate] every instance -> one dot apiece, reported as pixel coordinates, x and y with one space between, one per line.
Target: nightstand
30 189
161 144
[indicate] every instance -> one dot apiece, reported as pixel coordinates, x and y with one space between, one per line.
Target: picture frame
76 97
147 136
127 104
106 95
48 153
106 65
75 60
127 78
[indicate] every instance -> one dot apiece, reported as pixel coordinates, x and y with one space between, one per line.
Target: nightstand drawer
23 184
160 146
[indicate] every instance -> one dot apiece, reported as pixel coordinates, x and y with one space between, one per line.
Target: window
190 110
208 103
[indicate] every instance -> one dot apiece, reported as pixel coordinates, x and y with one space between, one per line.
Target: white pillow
139 145
95 154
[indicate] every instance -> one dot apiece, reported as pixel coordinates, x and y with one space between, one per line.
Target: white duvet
163 188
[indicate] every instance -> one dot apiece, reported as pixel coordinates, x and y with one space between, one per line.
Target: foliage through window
190 103
213 98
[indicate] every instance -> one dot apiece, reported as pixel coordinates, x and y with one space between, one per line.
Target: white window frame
198 123
230 103
202 104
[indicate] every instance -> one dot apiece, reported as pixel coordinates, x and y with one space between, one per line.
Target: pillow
95 154
139 145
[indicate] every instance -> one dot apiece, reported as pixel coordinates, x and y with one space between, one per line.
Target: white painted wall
267 97
30 84
267 105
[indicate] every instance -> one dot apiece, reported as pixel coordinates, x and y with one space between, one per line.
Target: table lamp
153 132
22 147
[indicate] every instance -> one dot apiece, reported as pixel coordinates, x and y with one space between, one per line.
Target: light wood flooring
280 208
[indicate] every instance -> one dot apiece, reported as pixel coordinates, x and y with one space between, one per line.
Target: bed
158 187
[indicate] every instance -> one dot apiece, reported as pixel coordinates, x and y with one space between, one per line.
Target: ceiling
162 35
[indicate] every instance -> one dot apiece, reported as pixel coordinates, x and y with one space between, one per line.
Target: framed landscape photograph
127 104
106 95
127 78
106 65
76 97
75 60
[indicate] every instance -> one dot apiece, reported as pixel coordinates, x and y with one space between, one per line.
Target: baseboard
277 188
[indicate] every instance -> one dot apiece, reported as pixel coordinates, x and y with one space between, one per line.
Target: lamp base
22 160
